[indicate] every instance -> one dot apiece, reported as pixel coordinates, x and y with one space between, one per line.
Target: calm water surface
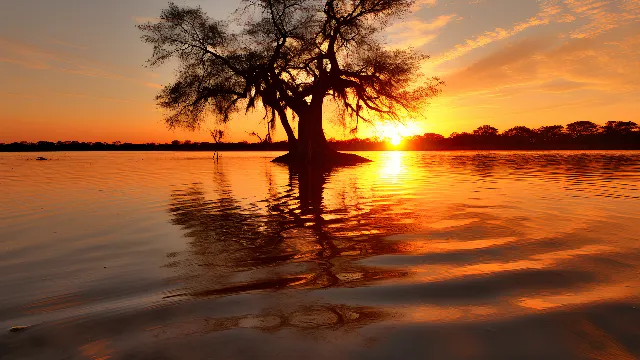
459 255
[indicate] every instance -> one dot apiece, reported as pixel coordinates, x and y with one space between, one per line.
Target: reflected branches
311 320
394 237
287 243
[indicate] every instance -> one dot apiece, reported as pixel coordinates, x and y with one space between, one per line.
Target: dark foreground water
423 255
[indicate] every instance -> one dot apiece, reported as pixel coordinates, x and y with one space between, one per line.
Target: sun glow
395 140
394 133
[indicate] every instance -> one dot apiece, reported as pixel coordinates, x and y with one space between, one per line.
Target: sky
75 69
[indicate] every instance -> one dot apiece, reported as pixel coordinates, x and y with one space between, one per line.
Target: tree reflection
301 236
285 244
310 319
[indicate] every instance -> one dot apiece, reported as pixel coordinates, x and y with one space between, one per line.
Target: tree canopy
287 57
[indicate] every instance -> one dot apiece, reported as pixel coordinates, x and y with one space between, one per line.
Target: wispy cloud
419 4
67 44
562 86
602 15
548 10
596 17
500 69
562 105
422 26
552 65
26 56
38 59
20 95
85 96
35 58
416 33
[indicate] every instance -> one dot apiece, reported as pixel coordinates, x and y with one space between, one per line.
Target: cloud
500 68
85 96
562 85
592 17
415 33
422 26
64 43
599 14
20 95
419 4
552 65
34 58
26 56
37 59
582 103
489 37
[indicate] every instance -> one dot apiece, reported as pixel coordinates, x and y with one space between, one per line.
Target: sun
395 139
394 133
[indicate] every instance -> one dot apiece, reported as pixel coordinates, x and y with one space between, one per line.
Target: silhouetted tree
582 128
520 132
550 133
288 59
620 127
266 140
485 130
432 137
217 135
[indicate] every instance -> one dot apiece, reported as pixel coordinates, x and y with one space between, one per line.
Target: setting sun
394 133
395 140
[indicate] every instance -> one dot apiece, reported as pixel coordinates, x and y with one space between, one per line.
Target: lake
434 255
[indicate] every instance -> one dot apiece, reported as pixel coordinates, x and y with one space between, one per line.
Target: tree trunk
291 138
311 150
312 144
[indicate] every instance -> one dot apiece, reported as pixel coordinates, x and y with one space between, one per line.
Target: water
435 255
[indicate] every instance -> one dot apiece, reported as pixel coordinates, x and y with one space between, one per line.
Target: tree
520 132
266 140
550 133
620 127
582 128
217 135
485 130
289 58
432 137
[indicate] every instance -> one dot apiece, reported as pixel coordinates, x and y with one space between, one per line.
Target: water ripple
186 247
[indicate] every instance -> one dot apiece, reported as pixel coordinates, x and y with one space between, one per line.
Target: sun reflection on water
393 165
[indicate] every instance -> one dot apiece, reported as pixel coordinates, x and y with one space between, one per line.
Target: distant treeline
580 135
175 145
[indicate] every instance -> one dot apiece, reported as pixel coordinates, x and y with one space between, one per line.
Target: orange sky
74 70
